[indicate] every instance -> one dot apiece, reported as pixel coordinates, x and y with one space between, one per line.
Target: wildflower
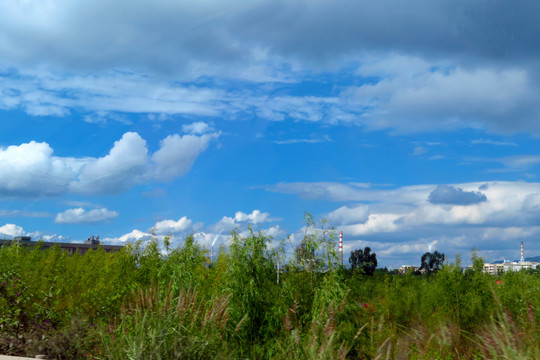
365 306
499 282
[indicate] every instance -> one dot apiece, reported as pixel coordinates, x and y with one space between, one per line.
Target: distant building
499 268
71 248
404 269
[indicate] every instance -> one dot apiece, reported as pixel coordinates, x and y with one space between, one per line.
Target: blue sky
411 127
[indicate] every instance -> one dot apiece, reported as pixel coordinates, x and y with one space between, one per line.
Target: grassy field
152 302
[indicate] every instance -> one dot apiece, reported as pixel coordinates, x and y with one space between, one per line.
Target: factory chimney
341 248
522 256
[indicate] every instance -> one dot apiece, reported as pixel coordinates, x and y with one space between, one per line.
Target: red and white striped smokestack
522 255
341 247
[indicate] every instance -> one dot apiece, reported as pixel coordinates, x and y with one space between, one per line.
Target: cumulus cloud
11 230
178 153
122 167
167 227
227 223
83 216
134 235
256 217
401 225
346 215
447 194
30 169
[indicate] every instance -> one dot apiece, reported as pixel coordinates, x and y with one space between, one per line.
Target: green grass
142 304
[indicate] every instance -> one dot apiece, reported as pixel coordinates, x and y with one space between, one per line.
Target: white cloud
167 227
11 230
124 166
83 216
256 217
30 169
520 162
514 163
134 235
227 223
401 224
349 215
178 153
105 95
49 48
425 99
197 128
376 223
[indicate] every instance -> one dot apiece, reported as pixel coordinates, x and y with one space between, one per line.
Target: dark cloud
182 35
447 194
479 58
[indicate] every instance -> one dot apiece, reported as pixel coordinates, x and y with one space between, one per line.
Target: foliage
431 262
154 325
153 301
363 261
250 281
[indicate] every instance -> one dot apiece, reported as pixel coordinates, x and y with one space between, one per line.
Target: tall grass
156 326
148 302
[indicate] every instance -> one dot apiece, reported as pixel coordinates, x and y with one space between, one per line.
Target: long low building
498 268
72 248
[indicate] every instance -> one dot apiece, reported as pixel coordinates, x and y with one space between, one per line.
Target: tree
304 252
317 250
432 262
364 261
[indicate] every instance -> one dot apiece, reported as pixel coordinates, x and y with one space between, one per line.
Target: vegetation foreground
153 302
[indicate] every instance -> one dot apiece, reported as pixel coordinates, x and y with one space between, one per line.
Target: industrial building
71 248
499 268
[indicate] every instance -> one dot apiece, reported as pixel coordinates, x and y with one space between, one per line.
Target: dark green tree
363 261
432 262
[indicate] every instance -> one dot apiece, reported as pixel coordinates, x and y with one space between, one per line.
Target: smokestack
341 248
522 256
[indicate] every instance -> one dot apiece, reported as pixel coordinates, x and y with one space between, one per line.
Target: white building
494 269
404 269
